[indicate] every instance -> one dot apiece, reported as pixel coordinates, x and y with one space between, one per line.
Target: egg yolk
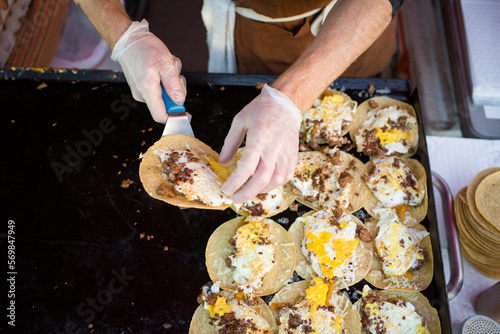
392 135
250 234
343 249
317 293
336 99
220 171
220 307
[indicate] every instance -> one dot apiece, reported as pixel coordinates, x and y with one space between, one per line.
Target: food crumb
143 143
141 236
294 207
259 85
165 248
119 172
126 183
222 88
371 89
150 129
54 124
124 164
135 223
143 131
167 326
149 237
42 86
115 156
90 325
94 88
13 121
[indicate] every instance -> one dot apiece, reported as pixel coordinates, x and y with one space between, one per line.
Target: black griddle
94 252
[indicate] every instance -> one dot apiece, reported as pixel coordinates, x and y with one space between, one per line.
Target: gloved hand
271 123
146 62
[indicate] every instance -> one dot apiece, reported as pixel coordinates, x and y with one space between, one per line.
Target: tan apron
269 35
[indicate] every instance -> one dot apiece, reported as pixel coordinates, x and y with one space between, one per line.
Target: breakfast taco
183 171
403 255
336 249
385 126
252 255
398 184
391 311
228 312
330 181
328 120
314 307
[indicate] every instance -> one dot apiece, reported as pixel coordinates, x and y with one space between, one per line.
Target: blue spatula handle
171 105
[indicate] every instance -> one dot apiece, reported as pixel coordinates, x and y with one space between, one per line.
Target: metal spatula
178 120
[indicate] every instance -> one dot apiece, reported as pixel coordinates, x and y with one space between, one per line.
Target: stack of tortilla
477 214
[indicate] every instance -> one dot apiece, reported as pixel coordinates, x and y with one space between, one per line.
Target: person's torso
281 8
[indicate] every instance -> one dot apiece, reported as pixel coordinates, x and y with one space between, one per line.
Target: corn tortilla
151 175
382 101
364 252
219 248
421 277
200 322
421 304
417 212
290 294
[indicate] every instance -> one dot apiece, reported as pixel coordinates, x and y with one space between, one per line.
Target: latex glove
271 123
146 62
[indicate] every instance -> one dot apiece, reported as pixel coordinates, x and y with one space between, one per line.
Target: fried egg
389 318
263 204
229 310
330 248
253 255
394 183
397 245
314 313
327 120
391 128
316 178
191 177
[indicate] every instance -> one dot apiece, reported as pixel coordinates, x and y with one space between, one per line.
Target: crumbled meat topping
164 190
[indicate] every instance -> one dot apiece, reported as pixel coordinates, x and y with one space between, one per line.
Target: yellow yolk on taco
228 310
394 183
315 312
219 308
395 129
392 135
327 120
254 254
317 292
397 245
219 170
330 248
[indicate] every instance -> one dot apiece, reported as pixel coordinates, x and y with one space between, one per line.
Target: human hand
271 123
146 62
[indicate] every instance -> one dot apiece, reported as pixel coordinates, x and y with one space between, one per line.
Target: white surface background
458 160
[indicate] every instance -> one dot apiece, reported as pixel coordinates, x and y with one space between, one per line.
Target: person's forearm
108 17
349 29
